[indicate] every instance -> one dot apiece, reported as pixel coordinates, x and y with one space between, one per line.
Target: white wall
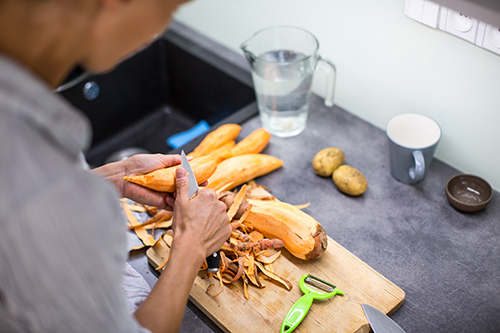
386 64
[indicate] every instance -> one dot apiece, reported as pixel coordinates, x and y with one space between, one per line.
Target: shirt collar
27 96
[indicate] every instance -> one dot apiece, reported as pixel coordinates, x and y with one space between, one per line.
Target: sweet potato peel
238 200
268 259
161 216
249 255
143 235
246 251
275 277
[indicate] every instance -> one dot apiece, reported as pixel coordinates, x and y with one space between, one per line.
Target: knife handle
213 262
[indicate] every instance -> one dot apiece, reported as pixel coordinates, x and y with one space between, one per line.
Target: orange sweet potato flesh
241 169
163 180
303 236
254 143
223 152
215 139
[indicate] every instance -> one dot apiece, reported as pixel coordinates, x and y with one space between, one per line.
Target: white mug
413 139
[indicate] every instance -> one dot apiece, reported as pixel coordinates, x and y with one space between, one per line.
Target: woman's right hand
200 224
201 227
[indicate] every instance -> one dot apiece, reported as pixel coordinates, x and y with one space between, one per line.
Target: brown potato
349 180
327 160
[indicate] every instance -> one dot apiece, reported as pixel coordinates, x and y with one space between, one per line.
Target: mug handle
331 75
417 173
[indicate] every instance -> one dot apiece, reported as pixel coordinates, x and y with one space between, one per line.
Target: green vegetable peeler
299 309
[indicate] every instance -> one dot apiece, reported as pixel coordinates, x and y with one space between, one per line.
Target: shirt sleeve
134 286
62 255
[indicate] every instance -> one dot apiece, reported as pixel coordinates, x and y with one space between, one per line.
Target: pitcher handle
331 75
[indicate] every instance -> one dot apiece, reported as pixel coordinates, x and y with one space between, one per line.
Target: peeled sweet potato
163 180
241 169
254 143
215 139
303 236
223 152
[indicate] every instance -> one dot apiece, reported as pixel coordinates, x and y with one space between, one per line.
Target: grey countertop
446 261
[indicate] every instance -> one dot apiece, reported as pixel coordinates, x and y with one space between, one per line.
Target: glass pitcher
282 60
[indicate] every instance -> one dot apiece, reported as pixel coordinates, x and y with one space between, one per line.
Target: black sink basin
165 89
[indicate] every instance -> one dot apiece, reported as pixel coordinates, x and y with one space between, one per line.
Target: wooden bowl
468 193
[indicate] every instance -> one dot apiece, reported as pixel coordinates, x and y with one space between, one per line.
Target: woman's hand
201 226
137 165
200 221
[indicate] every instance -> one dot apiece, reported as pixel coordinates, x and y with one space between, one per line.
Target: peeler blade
320 284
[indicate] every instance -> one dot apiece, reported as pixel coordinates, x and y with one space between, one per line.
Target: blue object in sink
180 139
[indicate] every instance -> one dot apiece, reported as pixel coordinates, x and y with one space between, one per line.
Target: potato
327 160
349 180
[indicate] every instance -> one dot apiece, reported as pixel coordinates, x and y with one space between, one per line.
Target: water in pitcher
283 85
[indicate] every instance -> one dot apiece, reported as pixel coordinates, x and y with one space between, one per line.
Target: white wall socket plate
423 11
488 37
458 24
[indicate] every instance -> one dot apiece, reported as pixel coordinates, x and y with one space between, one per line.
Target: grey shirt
62 235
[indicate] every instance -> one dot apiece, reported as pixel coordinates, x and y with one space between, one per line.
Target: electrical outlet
458 24
490 40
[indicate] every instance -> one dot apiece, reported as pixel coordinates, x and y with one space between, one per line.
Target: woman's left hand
137 165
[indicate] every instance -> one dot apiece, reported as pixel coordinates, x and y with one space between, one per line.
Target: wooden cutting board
267 307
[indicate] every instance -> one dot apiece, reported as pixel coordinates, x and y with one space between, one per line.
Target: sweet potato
223 152
303 236
254 143
241 169
215 139
260 245
163 180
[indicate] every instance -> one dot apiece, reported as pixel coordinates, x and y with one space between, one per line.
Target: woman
63 238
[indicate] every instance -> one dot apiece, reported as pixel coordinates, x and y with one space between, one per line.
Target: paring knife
193 183
379 321
213 261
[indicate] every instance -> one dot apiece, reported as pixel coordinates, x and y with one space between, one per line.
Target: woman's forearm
163 310
114 173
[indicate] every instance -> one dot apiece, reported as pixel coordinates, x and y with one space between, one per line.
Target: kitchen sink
167 88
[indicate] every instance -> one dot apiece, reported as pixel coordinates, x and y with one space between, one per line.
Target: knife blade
213 261
193 184
379 321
